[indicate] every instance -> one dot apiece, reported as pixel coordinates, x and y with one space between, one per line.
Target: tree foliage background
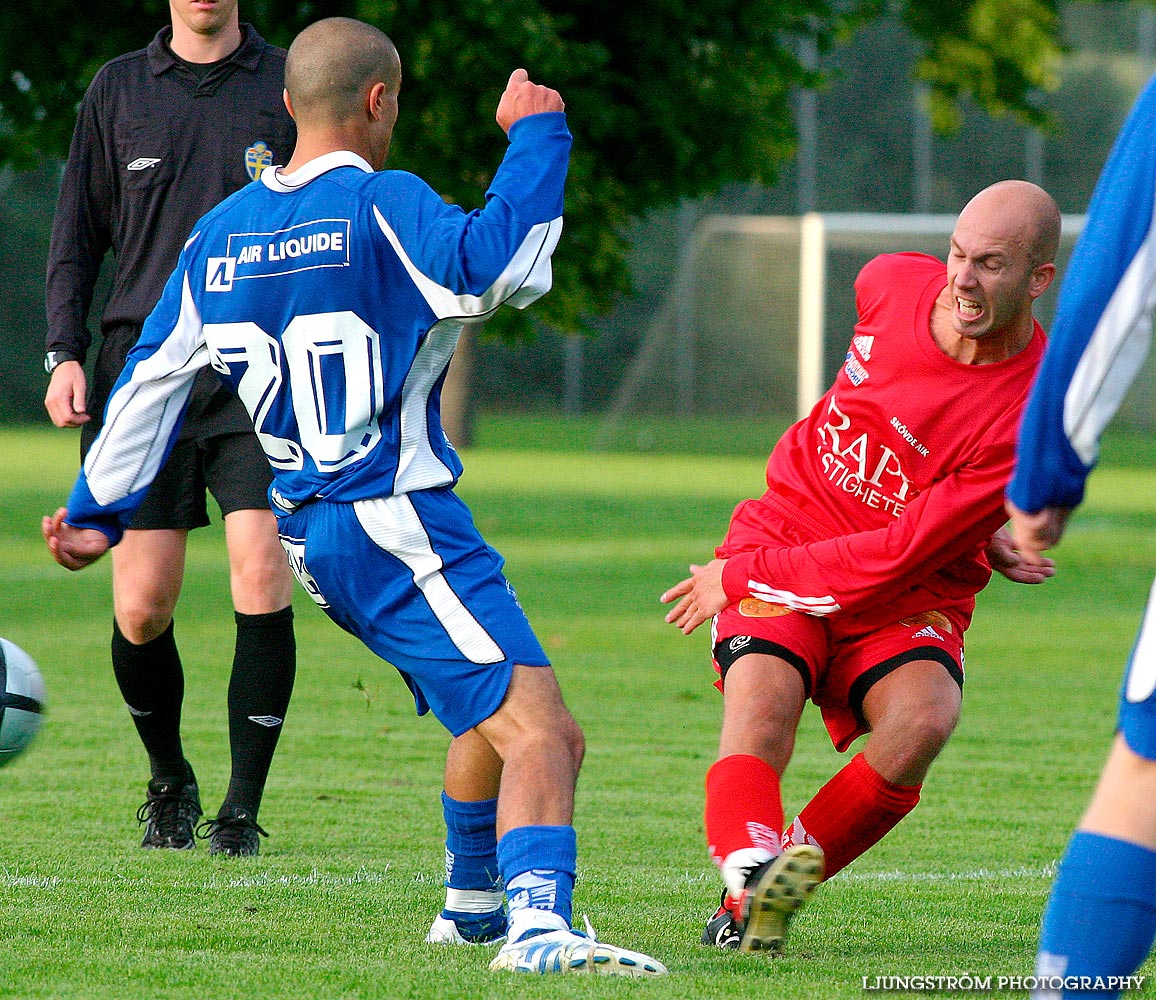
667 100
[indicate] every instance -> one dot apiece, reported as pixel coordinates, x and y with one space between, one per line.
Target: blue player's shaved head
333 63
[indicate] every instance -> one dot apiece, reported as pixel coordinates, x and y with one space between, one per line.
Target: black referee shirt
154 149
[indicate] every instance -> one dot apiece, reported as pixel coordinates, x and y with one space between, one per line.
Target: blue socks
538 864
471 844
532 866
474 891
1101 916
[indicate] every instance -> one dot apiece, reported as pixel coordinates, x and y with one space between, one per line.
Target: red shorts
841 656
838 666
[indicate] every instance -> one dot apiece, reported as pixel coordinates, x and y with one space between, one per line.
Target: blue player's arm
496 255
1103 325
143 416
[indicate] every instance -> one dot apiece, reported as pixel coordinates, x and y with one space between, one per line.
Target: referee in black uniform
163 135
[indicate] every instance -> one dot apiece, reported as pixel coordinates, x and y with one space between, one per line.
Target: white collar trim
275 180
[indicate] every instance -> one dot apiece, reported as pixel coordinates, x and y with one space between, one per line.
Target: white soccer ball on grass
21 701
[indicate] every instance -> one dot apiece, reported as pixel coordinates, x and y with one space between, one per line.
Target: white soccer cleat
573 951
445 931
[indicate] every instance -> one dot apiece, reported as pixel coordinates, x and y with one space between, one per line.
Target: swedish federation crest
257 158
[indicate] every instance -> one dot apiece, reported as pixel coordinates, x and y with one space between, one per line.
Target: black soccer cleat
233 834
721 931
169 815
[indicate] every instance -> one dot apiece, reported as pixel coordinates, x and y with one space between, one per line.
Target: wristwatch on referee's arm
53 359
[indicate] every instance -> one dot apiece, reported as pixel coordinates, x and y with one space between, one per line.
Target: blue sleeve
1103 325
143 417
467 252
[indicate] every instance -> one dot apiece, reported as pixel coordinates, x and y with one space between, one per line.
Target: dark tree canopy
667 100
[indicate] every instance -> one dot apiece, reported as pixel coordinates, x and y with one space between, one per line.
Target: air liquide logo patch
320 243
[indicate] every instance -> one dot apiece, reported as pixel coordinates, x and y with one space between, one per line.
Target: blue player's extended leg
1101 916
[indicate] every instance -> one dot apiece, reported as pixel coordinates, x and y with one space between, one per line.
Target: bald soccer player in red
852 580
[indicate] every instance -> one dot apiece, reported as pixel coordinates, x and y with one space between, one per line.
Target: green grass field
337 903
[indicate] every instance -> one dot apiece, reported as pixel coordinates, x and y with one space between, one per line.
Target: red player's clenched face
992 278
989 276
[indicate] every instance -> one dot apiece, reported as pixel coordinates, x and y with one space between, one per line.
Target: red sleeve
953 516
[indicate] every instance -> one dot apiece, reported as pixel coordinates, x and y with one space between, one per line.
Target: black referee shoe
233 834
169 814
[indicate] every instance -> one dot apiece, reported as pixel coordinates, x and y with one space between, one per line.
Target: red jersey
884 498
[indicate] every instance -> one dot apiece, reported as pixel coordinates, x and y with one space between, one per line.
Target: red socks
744 807
851 813
848 815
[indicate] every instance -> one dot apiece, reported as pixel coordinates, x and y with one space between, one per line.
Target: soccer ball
21 701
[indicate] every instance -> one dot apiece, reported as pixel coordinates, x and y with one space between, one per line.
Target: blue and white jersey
1103 325
330 300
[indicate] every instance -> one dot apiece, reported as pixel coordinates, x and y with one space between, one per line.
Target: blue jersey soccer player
1101 916
329 295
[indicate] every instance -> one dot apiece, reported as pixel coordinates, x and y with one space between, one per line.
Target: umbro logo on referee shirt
143 163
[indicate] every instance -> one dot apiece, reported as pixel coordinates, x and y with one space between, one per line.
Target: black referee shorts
217 452
232 467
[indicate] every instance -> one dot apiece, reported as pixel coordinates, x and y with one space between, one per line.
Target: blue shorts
1137 719
411 577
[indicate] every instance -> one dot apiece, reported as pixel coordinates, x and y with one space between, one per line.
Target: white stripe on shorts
394 525
1142 670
